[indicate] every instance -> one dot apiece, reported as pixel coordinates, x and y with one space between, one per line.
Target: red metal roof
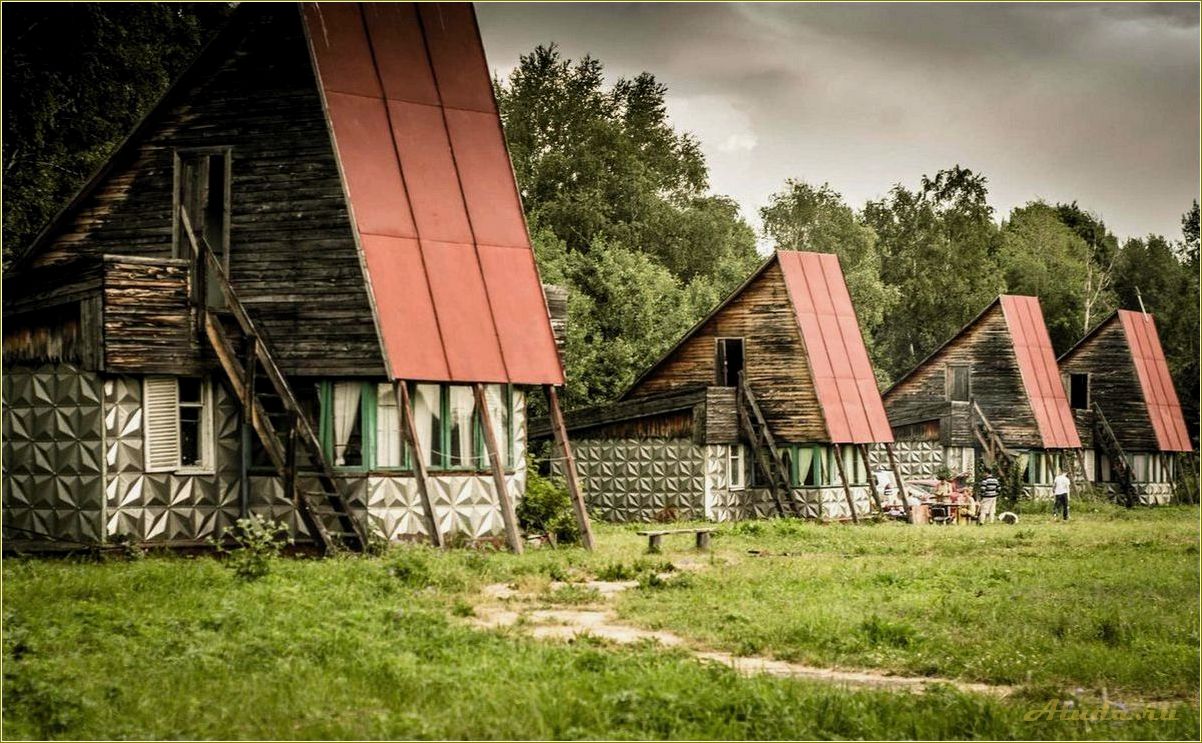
431 192
1164 409
1040 374
843 378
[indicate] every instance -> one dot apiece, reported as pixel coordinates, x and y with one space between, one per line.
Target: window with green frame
814 466
360 425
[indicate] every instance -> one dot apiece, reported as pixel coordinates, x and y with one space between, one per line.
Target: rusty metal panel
458 56
464 315
344 58
429 170
487 177
529 348
843 376
406 308
400 52
378 200
1040 374
1164 408
419 141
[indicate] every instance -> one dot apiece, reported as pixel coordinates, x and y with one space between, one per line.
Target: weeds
257 543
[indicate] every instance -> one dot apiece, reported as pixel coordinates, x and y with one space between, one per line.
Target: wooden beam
876 498
512 536
851 503
400 391
569 466
901 483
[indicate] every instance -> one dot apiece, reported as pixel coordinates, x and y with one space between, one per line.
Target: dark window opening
1078 391
191 422
203 191
728 362
959 387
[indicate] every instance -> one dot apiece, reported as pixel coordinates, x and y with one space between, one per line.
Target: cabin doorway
728 362
203 190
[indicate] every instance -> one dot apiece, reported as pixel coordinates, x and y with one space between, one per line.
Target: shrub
547 509
257 542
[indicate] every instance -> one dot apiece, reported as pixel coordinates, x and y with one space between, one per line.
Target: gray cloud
1090 102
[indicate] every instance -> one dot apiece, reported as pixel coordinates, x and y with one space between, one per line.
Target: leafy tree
804 217
937 246
78 76
1042 257
1098 294
620 215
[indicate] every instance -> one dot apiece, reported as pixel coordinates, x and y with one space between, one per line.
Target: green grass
1109 600
174 647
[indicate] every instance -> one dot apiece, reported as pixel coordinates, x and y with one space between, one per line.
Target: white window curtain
805 459
498 414
346 412
462 412
388 427
427 418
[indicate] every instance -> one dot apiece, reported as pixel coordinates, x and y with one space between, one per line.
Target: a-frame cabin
768 405
992 391
310 251
1126 409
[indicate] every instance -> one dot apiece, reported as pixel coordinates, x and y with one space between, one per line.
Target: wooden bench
655 538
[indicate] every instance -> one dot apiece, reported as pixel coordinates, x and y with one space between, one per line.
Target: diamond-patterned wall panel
642 479
53 454
167 507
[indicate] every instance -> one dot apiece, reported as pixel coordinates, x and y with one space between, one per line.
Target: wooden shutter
160 421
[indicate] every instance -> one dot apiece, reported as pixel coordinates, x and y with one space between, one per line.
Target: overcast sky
1093 103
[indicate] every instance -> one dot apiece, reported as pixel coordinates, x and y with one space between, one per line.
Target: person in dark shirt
990 488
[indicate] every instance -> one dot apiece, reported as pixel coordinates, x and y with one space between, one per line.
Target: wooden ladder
763 446
271 408
1119 464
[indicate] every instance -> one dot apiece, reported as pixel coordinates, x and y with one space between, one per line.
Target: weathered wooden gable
776 364
1113 384
995 384
293 258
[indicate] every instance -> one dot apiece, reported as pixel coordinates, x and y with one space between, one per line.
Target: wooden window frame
949 381
177 236
208 447
718 344
1088 376
740 468
368 401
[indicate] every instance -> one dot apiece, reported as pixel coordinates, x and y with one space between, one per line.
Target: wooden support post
569 466
703 539
512 536
1084 470
851 503
290 461
655 543
876 498
400 391
901 483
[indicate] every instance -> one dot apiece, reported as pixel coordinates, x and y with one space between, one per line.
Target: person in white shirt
1060 488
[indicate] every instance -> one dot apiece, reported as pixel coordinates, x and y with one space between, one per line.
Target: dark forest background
621 210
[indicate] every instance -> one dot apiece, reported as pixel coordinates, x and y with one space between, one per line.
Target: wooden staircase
1120 466
763 446
995 450
268 403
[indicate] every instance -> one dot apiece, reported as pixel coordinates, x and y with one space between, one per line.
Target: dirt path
504 606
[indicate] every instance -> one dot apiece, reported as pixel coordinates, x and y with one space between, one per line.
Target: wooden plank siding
293 258
1114 385
995 383
775 361
148 323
